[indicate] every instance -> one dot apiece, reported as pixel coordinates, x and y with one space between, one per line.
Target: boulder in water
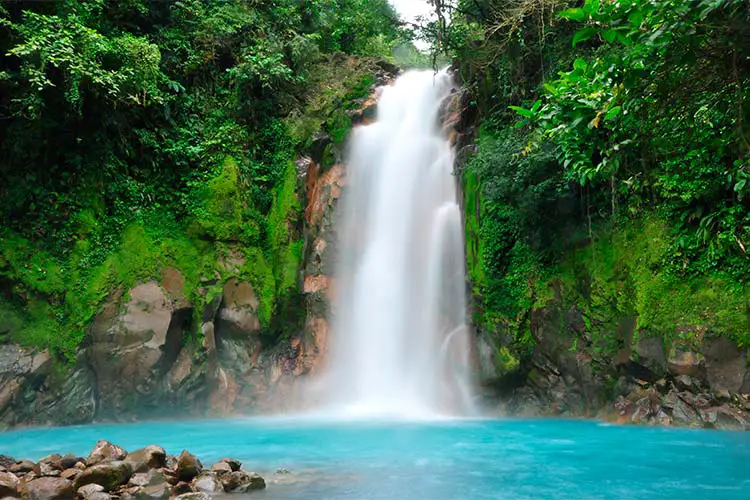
207 483
188 466
49 488
233 464
221 468
242 482
106 451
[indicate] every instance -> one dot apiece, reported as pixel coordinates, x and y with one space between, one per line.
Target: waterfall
400 345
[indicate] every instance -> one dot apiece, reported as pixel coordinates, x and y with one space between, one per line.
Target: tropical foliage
142 133
599 118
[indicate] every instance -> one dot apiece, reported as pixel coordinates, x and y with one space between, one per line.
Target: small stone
181 488
52 461
129 493
80 465
106 451
99 495
140 479
156 477
242 482
48 469
49 488
283 471
234 464
194 496
170 476
154 492
88 490
188 466
69 461
7 462
207 483
70 473
221 468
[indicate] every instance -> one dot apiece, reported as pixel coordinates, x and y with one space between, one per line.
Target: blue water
472 460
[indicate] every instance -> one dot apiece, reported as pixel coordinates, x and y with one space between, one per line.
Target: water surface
480 459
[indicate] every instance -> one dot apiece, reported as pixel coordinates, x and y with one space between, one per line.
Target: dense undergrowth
145 134
612 172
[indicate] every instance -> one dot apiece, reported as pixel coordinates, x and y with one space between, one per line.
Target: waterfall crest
400 344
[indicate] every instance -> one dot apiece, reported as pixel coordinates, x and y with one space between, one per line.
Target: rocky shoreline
110 472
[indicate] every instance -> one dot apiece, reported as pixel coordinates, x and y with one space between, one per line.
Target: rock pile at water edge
110 472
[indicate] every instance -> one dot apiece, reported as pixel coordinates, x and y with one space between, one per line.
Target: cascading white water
400 344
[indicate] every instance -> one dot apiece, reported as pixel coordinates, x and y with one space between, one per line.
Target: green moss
38 270
336 84
505 361
222 214
624 273
473 213
260 274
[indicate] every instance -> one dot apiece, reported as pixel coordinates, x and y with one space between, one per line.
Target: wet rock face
22 372
648 381
127 344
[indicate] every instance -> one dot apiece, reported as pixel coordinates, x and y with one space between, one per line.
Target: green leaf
575 14
580 64
550 88
583 35
740 185
609 35
591 6
522 111
612 113
636 18
623 39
